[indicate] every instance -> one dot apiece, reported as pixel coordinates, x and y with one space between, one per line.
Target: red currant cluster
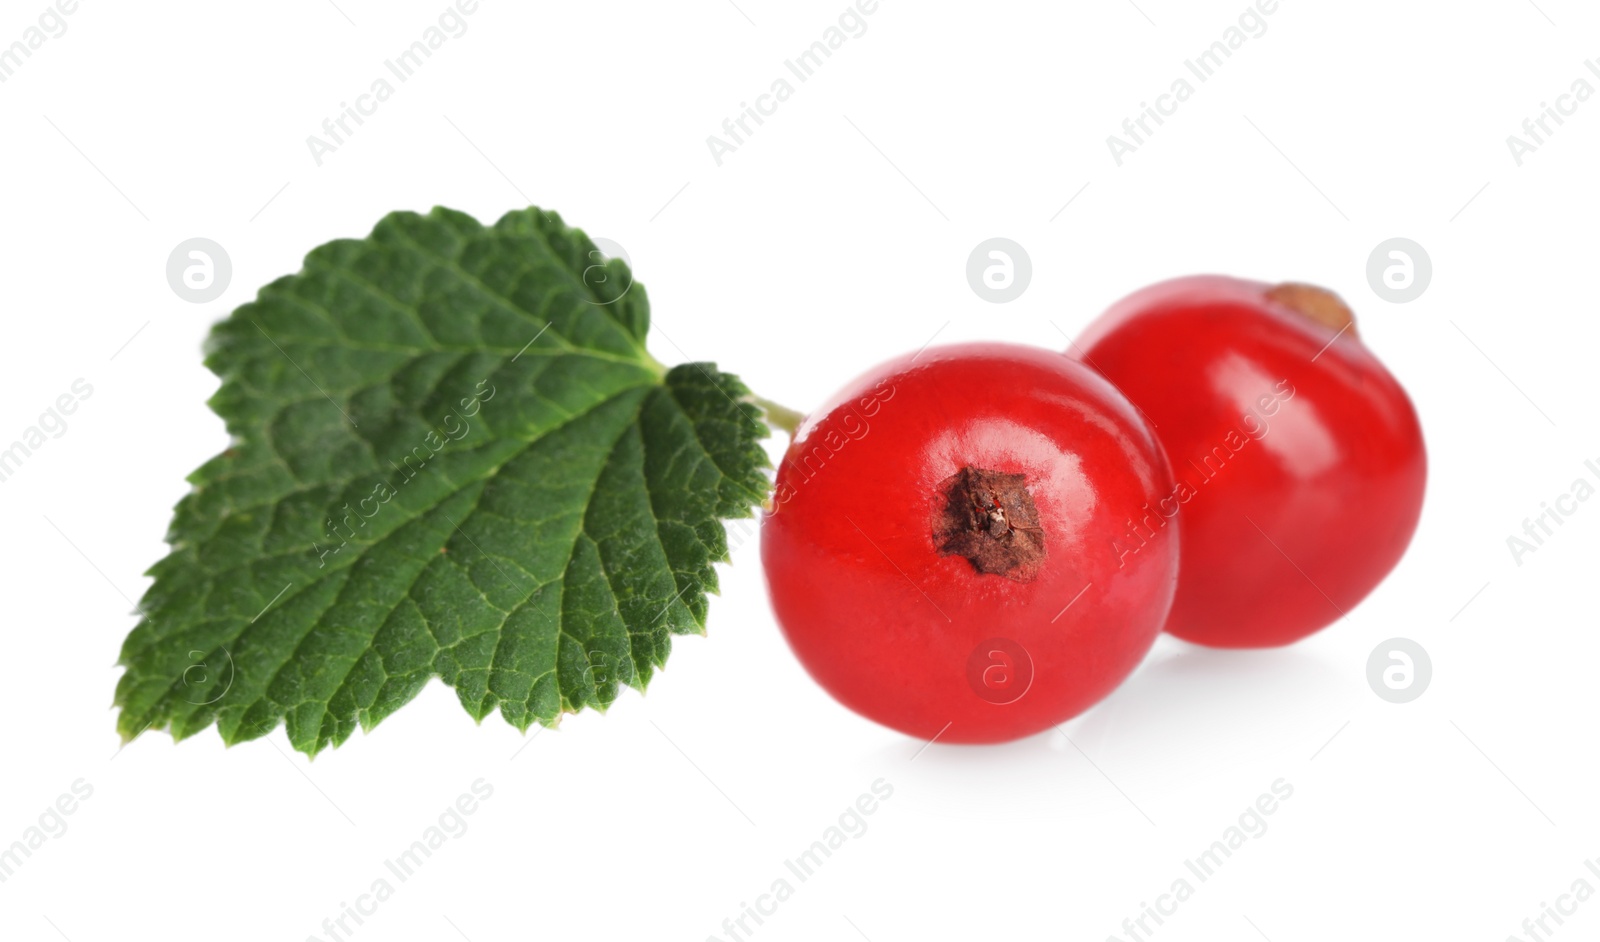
962 570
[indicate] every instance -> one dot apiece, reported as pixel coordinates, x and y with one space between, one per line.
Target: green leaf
451 457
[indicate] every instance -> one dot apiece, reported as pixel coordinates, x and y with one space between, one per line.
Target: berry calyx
990 518
1319 304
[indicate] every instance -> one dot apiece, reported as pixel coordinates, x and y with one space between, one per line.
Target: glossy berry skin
1298 458
976 605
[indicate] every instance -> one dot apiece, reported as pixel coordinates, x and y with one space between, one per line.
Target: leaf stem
779 416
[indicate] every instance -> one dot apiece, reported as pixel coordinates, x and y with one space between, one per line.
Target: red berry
1298 458
939 547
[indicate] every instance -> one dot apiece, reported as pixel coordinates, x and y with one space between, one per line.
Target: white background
835 238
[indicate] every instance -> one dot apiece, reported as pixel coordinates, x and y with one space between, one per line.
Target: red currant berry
1298 459
940 544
